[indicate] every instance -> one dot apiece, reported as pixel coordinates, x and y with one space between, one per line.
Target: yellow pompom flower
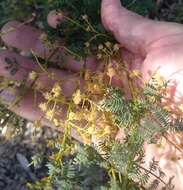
87 44
87 138
47 96
181 107
56 91
50 114
159 78
91 130
71 116
85 17
92 116
77 97
108 44
116 47
56 122
43 106
99 56
100 47
33 75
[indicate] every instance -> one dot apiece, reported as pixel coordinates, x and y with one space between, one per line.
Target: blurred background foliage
16 9
76 37
170 10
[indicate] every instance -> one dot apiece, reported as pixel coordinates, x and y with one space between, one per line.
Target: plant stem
157 177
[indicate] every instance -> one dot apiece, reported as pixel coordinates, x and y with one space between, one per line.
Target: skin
148 46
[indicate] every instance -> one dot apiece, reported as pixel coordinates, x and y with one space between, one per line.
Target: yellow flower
99 55
99 133
135 73
107 130
50 114
91 129
92 116
108 44
56 122
33 75
77 97
87 44
71 116
56 91
87 75
159 78
43 106
87 139
116 47
100 47
85 17
78 116
181 107
37 124
47 96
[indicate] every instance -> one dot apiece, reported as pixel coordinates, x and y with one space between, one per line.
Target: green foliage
15 9
142 7
144 113
75 34
125 112
80 171
171 11
178 125
113 165
127 157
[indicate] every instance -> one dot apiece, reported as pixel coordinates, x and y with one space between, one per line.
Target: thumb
133 31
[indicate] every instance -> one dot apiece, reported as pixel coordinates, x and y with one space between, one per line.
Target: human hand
151 46
142 50
26 38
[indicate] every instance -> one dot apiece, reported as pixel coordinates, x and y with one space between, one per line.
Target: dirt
16 154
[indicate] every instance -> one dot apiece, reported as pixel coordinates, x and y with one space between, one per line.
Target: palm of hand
152 46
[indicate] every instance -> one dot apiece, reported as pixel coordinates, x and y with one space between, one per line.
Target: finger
27 38
28 109
15 67
135 32
54 18
133 61
23 37
46 78
22 67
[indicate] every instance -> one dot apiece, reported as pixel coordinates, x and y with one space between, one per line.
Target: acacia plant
99 110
